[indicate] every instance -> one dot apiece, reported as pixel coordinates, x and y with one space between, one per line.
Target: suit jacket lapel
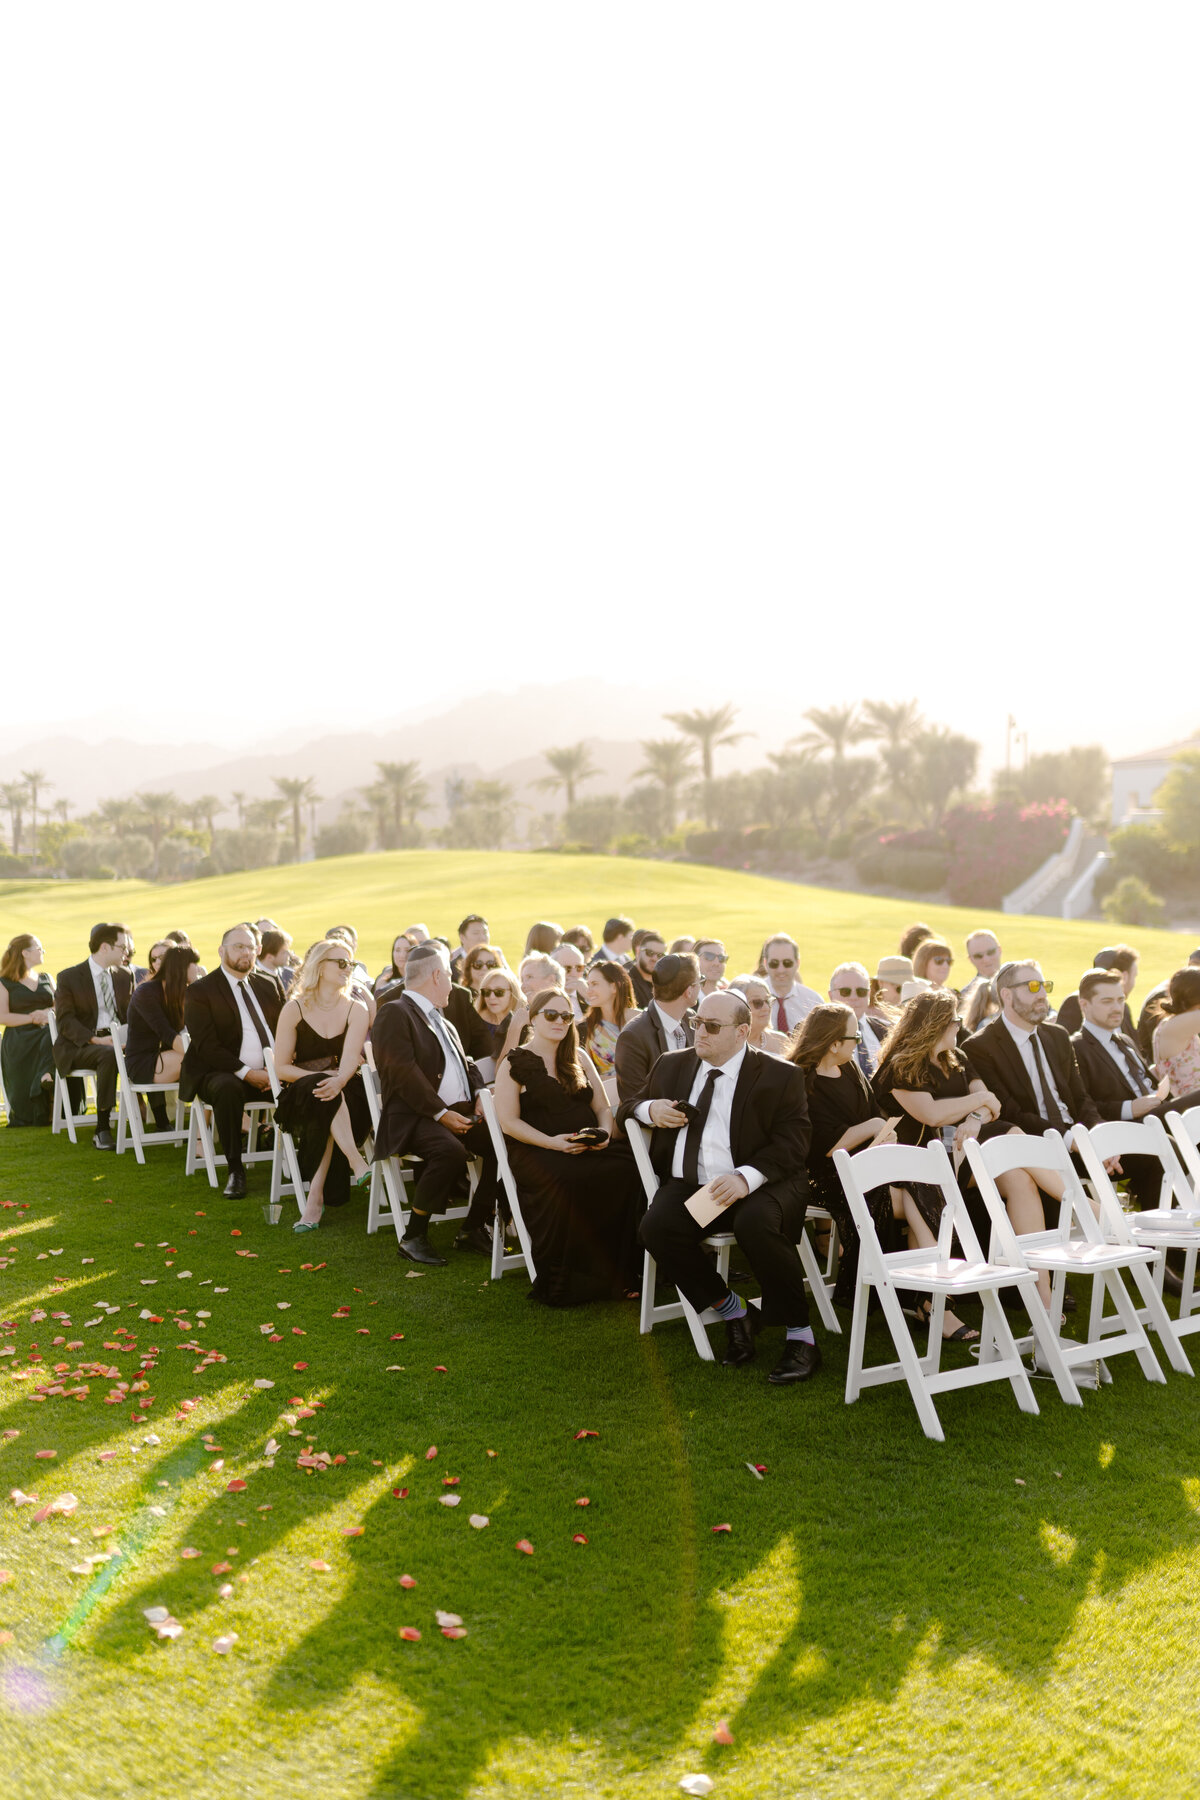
747 1076
1012 1056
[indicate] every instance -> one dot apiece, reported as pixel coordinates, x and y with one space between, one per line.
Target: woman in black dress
318 1052
497 998
26 1059
154 1045
581 1205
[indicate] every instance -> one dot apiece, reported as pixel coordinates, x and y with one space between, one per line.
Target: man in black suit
91 997
1122 962
648 949
1029 1065
666 1024
230 1018
744 1133
428 1108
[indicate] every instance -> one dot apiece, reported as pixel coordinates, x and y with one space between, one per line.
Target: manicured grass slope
380 895
1013 1612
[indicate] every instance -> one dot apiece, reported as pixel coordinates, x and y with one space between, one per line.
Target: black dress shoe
104 1140
417 1250
739 1346
478 1239
798 1362
235 1187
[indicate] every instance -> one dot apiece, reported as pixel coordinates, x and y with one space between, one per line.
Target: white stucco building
1136 780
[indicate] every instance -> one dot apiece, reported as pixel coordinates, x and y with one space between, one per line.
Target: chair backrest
1185 1130
120 1035
1131 1137
640 1145
498 1143
1020 1150
53 1028
899 1165
272 1077
369 1051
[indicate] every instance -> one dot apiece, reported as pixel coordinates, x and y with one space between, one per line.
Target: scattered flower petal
322 1568
478 1520
450 1499
454 1631
407 1581
578 1538
223 1645
234 1487
697 1784
717 1528
410 1634
585 1434
722 1733
429 1454
447 1618
524 1546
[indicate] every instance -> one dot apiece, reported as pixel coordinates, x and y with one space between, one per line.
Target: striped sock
800 1334
731 1307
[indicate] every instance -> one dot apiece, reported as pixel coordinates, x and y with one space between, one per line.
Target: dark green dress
25 1055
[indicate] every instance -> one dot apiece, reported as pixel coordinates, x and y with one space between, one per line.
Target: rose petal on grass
578 1538
6 1575
717 1528
722 1733
410 1634
583 1500
754 1470
321 1568
352 1530
156 1615
220 1568
447 1618
45 1455
454 1631
407 1581
299 1366
451 1480
225 1591
262 1382
395 1337
223 1645
234 1487
399 1493
478 1520
493 1453
429 1454
189 1553
585 1434
450 1499
524 1546
697 1784
440 1369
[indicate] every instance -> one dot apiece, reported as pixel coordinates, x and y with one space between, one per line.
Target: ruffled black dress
308 1119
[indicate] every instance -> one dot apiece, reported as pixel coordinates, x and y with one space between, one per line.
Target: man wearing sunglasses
230 1018
726 1115
472 930
648 947
850 985
791 1001
1029 1065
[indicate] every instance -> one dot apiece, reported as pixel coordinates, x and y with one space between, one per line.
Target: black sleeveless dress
308 1119
581 1212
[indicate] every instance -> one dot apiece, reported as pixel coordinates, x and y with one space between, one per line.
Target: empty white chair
62 1112
129 1114
500 1261
934 1270
389 1176
286 1178
1059 1253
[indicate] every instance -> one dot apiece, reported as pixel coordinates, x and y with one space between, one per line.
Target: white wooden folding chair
501 1262
286 1179
62 1113
389 1176
1060 1253
934 1270
201 1138
1141 1137
130 1128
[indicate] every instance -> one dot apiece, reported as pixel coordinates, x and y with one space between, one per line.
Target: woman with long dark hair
26 1059
154 1045
609 995
581 1202
1176 1043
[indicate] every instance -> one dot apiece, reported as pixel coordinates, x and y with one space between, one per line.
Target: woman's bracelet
979 1113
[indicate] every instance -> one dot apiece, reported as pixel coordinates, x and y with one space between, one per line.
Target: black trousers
767 1225
444 1157
103 1059
227 1094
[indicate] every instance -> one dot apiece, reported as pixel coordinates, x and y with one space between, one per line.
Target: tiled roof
1153 756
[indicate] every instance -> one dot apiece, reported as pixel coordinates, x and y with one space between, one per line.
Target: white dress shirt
716 1154
454 1087
105 1020
1106 1038
1023 1040
675 1035
798 1002
251 1051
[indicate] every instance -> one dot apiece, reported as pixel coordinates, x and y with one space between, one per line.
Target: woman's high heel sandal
301 1226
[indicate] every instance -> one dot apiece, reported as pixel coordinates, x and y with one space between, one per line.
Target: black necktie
1139 1080
1049 1110
695 1130
250 1002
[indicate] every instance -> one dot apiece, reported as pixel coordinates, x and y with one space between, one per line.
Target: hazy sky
785 351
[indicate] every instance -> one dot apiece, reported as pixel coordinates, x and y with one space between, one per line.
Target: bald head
722 1027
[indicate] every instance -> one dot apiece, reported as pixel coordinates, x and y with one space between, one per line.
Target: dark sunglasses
758 1004
781 962
485 965
552 1012
494 993
715 956
862 993
713 1025
339 962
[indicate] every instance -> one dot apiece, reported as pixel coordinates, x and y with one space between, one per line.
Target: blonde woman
496 1000
318 1049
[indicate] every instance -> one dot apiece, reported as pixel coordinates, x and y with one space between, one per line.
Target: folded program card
703 1208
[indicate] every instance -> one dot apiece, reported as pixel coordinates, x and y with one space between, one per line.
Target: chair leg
704 1349
1047 1341
646 1306
1019 1379
910 1364
1147 1361
1160 1319
816 1284
858 1338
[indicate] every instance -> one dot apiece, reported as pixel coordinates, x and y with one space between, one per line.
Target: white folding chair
501 1262
1059 1253
389 1177
129 1114
286 1178
201 1138
62 1112
935 1271
1141 1137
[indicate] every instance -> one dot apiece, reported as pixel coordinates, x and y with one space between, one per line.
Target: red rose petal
396 1337
579 1538
221 1568
321 1568
585 1434
524 1545
235 1232
440 1369
299 1366
454 1631
410 1634
45 1455
407 1581
352 1530
583 1501
429 1454
717 1528
722 1733
399 1493
234 1487
451 1480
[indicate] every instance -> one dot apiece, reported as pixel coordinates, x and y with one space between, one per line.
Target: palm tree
833 728
669 763
572 766
407 793
118 816
206 807
895 726
266 815
159 812
943 762
62 809
379 798
710 730
239 800
15 796
297 790
34 779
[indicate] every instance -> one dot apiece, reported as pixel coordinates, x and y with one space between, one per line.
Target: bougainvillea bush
995 848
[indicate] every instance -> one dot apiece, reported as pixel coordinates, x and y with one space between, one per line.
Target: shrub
1132 903
912 871
995 848
348 836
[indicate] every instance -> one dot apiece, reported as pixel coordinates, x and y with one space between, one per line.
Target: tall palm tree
159 812
206 807
379 798
895 725
709 730
15 796
35 780
118 816
266 815
834 728
62 809
669 763
408 794
572 765
239 800
297 790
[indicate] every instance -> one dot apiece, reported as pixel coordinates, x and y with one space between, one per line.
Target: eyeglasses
494 993
339 962
860 993
485 965
553 1013
713 1025
856 1038
715 956
651 955
781 962
759 1004
1036 987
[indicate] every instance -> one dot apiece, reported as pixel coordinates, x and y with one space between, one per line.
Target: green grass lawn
382 894
1013 1612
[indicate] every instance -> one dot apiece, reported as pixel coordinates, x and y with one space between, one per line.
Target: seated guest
609 994
574 973
618 941
1120 960
648 946
418 933
744 1135
535 975
177 937
757 996
428 1086
850 985
791 1001
981 1004
1151 1011
542 938
580 1205
844 1116
90 998
932 962
916 934
127 960
230 1016
360 980
581 937
154 1043
393 975
26 1055
496 1000
275 957
471 931
318 1052
157 952
890 976
682 946
983 950
667 1024
713 958
478 964
1176 1044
